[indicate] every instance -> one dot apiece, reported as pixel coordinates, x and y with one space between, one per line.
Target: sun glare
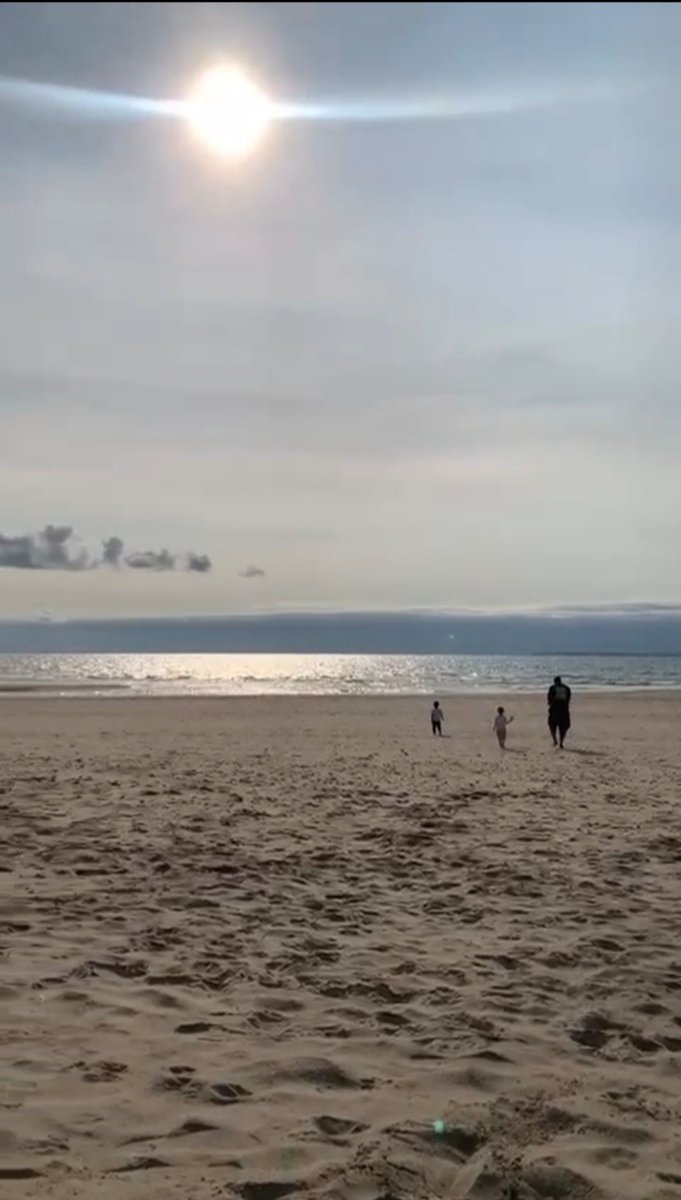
228 112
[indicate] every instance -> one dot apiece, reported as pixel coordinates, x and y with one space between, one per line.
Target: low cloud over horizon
641 633
56 548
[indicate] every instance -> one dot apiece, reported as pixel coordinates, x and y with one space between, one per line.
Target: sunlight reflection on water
323 674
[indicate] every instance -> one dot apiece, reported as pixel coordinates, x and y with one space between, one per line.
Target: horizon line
626 609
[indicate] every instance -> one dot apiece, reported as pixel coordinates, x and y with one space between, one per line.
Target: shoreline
122 691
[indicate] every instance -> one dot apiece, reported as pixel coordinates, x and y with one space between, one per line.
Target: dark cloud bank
654 629
56 548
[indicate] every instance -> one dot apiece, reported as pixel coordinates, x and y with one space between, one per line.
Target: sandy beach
275 948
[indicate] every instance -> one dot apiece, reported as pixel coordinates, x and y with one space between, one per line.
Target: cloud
198 562
56 548
112 551
51 549
252 573
163 560
16 552
151 560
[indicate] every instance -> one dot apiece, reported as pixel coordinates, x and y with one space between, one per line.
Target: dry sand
254 948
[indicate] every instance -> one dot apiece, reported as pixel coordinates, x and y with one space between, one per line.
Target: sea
262 674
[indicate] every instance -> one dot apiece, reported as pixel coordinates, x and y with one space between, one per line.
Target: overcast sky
406 364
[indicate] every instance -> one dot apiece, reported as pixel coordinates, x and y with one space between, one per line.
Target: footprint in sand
338 1127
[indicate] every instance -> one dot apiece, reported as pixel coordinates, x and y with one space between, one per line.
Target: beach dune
266 948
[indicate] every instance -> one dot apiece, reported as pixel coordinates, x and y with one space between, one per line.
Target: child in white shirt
501 724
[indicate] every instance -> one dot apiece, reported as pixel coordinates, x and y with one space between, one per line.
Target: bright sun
229 112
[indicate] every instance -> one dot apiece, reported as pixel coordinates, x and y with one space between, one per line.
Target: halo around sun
229 112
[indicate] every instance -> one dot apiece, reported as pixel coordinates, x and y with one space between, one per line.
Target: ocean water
325 674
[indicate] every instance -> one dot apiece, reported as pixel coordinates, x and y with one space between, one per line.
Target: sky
405 364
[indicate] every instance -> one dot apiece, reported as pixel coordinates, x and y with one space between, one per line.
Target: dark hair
500 708
436 704
558 679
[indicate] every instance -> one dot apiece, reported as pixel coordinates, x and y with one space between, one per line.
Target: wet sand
256 948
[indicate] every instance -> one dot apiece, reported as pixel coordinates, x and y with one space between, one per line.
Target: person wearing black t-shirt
559 696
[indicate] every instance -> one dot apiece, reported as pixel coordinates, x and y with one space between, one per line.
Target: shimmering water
324 674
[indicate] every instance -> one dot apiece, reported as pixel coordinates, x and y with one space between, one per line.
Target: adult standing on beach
559 697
